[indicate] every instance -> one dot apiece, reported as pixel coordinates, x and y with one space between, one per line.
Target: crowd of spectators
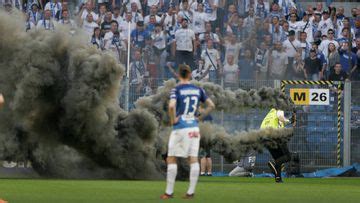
221 40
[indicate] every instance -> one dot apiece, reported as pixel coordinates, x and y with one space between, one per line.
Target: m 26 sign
301 96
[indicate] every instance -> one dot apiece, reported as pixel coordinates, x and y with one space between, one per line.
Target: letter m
299 96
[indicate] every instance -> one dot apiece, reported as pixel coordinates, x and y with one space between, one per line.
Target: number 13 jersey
188 98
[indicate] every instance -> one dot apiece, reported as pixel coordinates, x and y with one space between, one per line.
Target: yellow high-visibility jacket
271 120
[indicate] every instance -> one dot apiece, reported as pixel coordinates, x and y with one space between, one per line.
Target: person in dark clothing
338 74
280 153
313 66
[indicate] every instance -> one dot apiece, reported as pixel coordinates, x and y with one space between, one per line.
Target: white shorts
184 142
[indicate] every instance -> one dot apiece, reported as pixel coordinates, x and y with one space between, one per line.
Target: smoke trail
233 146
226 100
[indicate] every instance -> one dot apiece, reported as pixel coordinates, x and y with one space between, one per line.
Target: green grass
210 189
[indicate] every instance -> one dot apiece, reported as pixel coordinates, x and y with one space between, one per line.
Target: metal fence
316 139
355 122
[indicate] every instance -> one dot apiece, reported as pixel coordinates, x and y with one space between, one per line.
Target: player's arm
2 100
281 117
209 107
172 111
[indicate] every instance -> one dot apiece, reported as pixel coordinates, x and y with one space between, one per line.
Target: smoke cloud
62 111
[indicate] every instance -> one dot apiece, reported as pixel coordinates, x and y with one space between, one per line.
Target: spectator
106 24
325 25
159 39
357 46
47 22
325 43
305 45
136 13
286 5
199 19
333 57
348 60
139 35
153 12
291 47
151 61
184 45
338 74
124 25
151 25
130 4
65 20
108 37
213 36
137 76
96 38
275 11
293 24
88 25
201 73
241 34
117 15
350 30
249 21
211 10
87 9
247 66
186 13
262 61
232 47
29 3
34 14
313 67
305 26
231 72
29 24
168 19
55 8
278 62
212 60
261 9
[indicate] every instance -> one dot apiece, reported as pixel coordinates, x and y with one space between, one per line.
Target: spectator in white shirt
278 62
47 23
86 9
211 57
184 45
153 11
116 15
231 72
232 47
291 47
136 14
89 24
55 7
124 25
199 19
325 24
323 47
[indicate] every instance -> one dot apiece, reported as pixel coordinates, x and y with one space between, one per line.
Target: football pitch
210 189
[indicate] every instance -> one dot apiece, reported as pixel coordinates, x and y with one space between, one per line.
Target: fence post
277 84
127 93
347 127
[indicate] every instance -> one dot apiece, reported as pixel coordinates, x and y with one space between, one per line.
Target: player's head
184 72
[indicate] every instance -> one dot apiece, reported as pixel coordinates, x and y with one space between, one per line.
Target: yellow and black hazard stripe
303 82
338 146
339 92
